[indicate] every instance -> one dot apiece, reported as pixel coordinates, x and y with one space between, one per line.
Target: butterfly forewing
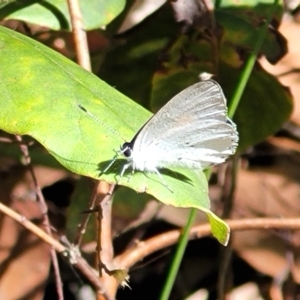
201 101
190 130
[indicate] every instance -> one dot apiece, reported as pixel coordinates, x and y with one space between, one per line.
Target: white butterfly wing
191 130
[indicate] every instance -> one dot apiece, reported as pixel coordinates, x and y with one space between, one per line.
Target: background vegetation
145 54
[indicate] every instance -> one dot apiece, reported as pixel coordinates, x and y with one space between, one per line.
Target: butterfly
192 131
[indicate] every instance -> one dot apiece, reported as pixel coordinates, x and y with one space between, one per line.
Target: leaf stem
176 261
250 63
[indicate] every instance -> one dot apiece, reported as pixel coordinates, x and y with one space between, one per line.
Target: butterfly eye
126 149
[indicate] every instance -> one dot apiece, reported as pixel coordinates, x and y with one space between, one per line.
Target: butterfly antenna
96 119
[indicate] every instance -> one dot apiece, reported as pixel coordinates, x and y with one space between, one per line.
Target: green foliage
41 90
54 14
44 104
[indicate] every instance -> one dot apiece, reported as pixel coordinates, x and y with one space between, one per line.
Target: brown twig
143 249
44 208
105 249
91 275
229 186
102 205
11 141
79 262
105 246
83 59
33 228
83 224
79 34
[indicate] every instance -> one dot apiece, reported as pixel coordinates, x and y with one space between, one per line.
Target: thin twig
102 205
33 228
79 34
229 187
86 216
12 141
91 275
131 256
143 249
104 244
40 198
79 262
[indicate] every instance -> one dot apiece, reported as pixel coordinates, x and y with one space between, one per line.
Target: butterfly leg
109 165
162 180
125 167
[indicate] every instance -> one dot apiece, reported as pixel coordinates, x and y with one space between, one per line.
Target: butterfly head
126 149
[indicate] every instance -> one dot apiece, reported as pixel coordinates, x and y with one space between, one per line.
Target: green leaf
54 14
41 93
218 228
241 27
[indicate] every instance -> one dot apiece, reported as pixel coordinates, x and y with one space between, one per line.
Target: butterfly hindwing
191 130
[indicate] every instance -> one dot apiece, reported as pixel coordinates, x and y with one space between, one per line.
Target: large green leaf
240 32
241 22
54 14
40 96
